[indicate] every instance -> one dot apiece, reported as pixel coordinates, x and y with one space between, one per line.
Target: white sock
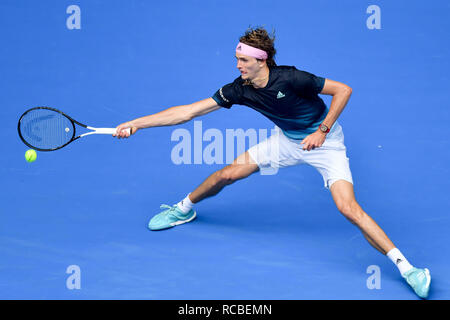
185 205
399 260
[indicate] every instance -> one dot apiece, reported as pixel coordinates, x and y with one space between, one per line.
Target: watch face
323 128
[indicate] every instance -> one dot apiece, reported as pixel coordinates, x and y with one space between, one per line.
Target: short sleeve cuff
320 82
220 99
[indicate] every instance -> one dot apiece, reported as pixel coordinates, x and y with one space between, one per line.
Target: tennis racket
48 129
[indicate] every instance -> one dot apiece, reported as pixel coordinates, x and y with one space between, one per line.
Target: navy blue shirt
290 99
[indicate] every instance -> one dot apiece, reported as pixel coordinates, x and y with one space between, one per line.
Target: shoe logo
280 95
398 261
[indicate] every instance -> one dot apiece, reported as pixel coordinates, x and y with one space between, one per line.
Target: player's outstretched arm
169 117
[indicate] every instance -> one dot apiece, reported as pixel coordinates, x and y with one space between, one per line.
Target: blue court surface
86 207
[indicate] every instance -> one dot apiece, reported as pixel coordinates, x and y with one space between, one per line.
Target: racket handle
107 130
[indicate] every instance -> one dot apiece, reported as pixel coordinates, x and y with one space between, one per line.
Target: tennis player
307 132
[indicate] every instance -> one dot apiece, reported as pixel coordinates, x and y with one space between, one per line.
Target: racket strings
46 129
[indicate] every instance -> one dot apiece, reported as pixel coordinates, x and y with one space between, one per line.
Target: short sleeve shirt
290 99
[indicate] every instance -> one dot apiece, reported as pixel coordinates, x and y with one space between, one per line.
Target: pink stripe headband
251 51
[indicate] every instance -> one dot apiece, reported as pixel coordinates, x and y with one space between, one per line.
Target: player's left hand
314 140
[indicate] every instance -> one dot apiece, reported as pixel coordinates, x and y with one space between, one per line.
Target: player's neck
261 79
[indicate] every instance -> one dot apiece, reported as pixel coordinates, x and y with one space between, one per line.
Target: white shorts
330 159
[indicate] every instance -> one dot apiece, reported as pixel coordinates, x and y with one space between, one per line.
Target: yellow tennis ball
30 155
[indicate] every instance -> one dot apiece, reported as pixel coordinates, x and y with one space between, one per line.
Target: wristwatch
324 128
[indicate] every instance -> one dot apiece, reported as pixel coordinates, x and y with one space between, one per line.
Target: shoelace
170 210
420 276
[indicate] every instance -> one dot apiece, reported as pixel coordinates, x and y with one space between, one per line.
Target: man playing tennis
306 132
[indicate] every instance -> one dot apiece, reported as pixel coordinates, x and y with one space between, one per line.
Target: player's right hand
122 132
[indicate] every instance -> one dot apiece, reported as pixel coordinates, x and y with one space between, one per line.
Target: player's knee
228 175
351 210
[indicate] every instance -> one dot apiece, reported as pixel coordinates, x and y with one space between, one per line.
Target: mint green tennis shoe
170 217
419 280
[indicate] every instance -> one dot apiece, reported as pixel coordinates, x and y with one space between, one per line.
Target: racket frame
108 131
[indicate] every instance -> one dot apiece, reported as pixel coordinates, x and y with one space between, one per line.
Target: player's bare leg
344 197
183 212
242 167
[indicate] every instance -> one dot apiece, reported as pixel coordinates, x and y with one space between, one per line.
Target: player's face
248 66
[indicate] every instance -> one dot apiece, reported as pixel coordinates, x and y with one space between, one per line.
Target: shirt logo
222 96
280 95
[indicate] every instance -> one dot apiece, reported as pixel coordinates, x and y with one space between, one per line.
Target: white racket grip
107 130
